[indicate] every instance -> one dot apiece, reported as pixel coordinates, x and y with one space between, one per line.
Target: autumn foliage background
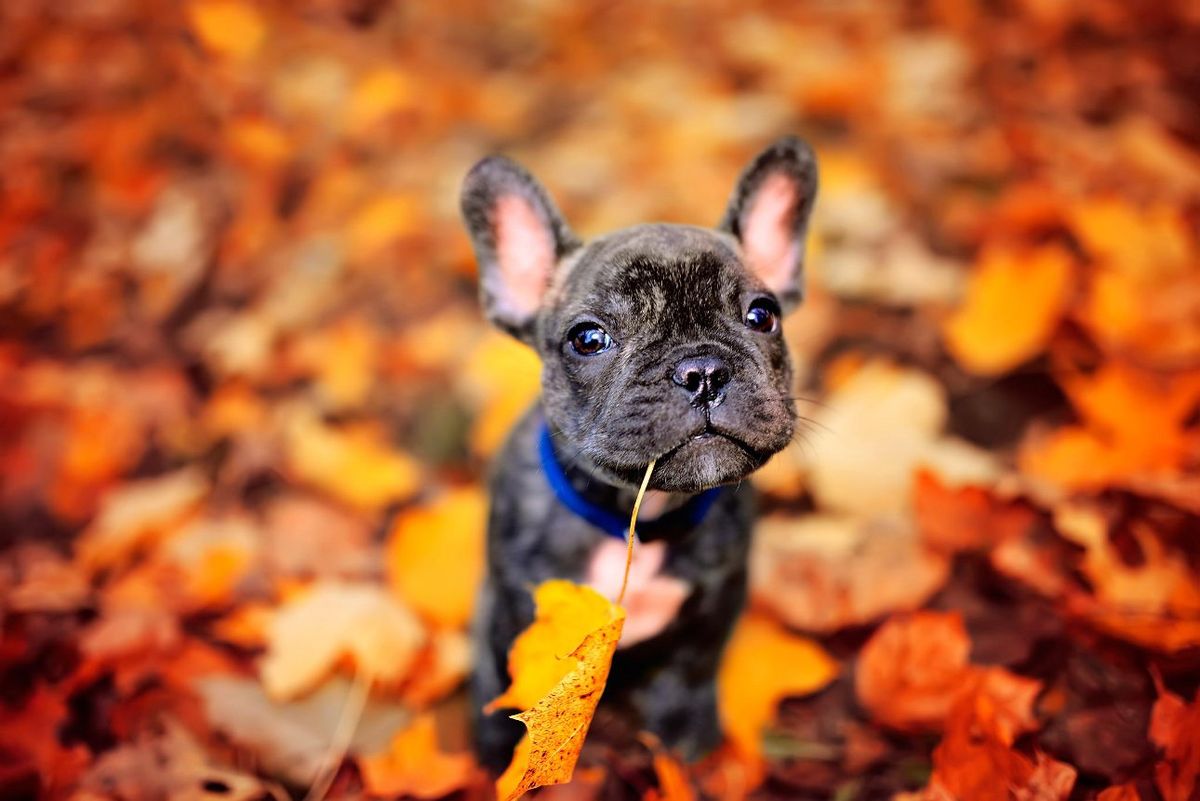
247 399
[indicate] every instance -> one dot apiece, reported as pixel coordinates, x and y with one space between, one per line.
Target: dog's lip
707 432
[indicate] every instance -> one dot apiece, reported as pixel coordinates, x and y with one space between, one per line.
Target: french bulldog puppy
658 342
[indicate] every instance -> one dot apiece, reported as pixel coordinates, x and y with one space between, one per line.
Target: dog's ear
518 236
769 213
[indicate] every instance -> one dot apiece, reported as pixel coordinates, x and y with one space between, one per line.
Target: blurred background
247 398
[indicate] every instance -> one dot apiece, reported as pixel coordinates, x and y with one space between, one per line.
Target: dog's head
657 341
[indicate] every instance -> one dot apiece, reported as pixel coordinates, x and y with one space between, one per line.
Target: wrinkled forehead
650 267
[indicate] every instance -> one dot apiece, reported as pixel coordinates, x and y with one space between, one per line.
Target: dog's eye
588 339
763 316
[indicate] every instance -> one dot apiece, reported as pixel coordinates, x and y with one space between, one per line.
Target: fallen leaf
414 765
1133 426
875 429
953 519
825 572
1175 729
352 465
228 27
168 763
334 620
915 670
290 740
1013 304
750 683
435 556
139 514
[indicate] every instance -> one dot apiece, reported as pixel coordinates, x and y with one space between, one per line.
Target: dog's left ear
519 237
769 213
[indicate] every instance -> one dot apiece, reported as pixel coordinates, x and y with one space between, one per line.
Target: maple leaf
413 765
1013 303
310 635
751 682
1175 729
435 556
558 721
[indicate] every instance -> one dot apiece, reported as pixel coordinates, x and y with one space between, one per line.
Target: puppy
658 342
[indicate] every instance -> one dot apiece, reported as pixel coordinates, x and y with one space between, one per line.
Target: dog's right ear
519 237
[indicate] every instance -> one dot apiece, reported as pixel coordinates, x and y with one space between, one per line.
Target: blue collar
611 523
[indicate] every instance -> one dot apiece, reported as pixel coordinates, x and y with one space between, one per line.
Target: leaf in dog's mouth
558 692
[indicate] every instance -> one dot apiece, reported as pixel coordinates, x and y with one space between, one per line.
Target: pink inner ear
524 253
767 237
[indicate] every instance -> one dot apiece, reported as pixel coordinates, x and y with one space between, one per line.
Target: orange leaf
1133 424
435 556
1175 729
1014 301
915 669
965 518
752 680
558 721
227 27
413 765
912 670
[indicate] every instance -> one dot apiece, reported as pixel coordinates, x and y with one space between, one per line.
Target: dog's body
659 342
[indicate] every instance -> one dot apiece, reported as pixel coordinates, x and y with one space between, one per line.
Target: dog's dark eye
763 316
588 339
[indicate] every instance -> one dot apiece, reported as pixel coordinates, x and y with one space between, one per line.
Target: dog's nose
702 377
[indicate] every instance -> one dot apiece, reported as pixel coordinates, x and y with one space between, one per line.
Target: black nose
702 377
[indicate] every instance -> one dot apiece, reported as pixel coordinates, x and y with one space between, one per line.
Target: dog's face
657 341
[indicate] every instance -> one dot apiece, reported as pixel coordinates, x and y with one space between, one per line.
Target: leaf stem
637 504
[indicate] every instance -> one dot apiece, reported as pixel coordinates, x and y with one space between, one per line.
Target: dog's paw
652 599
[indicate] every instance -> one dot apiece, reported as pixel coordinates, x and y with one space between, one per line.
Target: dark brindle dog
657 342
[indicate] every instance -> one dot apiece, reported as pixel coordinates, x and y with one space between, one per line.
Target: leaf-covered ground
246 398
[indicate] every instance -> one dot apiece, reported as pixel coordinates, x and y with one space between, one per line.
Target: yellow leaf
558 722
350 464
762 665
381 222
505 376
379 93
566 613
336 620
227 27
435 556
1014 301
414 766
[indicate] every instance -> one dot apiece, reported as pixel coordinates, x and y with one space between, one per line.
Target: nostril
702 377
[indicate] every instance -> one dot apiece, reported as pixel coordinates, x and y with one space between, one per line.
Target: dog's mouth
706 434
706 457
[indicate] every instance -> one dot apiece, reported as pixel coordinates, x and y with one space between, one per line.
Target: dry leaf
1175 729
335 620
435 556
953 519
139 514
1014 301
414 765
565 614
763 664
589 626
353 465
825 572
914 671
228 27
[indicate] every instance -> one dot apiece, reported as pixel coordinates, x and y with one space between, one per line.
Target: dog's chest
652 598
